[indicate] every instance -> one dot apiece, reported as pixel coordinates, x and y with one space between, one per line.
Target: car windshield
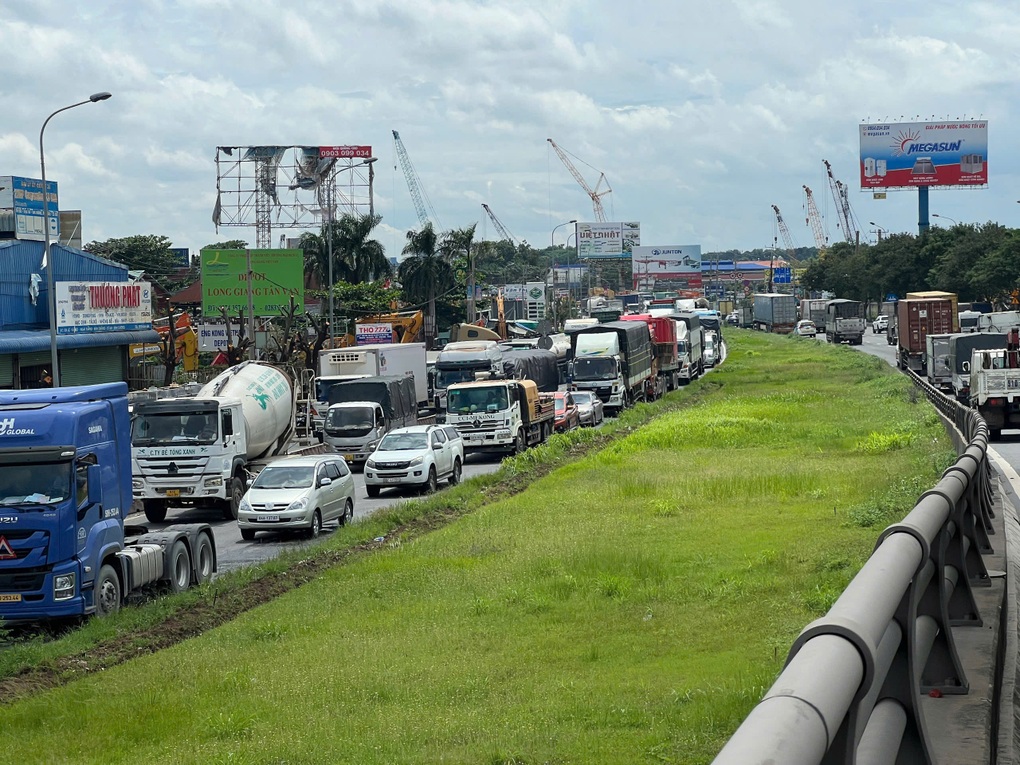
285 477
467 400
39 483
583 399
595 368
174 428
350 420
398 442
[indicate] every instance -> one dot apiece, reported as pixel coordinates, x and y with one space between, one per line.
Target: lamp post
878 229
552 243
52 307
944 217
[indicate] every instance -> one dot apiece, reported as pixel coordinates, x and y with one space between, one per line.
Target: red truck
916 318
665 358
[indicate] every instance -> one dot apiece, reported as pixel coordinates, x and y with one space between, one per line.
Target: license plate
15 598
173 492
392 480
269 517
349 457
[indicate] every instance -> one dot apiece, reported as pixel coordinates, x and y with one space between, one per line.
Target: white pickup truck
995 387
419 456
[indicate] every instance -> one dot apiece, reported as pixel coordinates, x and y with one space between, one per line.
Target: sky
700 115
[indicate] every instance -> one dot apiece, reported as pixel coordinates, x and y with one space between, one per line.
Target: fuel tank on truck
267 402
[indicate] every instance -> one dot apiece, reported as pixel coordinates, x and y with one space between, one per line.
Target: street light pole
552 243
50 282
944 217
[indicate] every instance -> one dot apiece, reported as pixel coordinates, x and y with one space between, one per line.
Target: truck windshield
681 347
174 428
466 400
43 483
595 368
447 377
350 420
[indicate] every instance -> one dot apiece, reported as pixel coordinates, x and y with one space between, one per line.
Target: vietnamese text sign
610 241
911 154
276 276
103 307
345 152
679 264
373 333
25 197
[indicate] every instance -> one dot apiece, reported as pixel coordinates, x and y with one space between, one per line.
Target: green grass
631 606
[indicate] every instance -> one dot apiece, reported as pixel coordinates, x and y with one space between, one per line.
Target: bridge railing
851 689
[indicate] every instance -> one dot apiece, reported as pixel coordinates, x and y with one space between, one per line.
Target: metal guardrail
852 685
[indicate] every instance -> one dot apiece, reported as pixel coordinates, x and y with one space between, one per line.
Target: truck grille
23 581
172 467
392 465
31 547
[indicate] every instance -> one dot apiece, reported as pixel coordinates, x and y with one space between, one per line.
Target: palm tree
365 258
457 243
317 249
425 274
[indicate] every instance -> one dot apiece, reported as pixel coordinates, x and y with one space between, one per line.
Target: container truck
198 451
505 416
536 364
690 345
995 385
936 295
936 357
916 318
612 360
362 411
961 348
464 361
814 309
774 312
665 358
65 475
844 321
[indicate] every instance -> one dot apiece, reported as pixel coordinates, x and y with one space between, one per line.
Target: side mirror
437 447
325 481
966 366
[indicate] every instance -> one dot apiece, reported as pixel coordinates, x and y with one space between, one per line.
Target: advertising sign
370 334
103 307
607 241
181 256
212 337
25 197
345 152
675 265
276 275
911 154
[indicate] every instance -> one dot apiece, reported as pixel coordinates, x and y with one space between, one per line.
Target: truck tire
178 567
372 491
234 494
519 443
155 510
107 592
457 470
204 559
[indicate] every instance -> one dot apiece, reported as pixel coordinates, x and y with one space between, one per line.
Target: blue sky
701 115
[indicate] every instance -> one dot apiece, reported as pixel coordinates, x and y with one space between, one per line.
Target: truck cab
465 361
355 428
597 367
499 415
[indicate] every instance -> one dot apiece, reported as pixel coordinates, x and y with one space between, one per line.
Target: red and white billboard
676 266
345 152
911 154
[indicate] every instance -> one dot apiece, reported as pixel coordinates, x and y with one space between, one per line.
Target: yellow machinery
407 325
186 340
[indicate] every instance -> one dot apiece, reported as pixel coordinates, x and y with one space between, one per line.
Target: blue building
25 353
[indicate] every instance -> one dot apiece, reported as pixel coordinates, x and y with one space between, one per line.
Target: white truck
382 360
937 366
362 411
464 361
499 415
995 386
197 451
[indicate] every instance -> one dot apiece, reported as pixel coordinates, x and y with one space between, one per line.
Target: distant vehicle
419 456
880 324
298 494
733 319
711 349
844 321
567 415
805 328
589 408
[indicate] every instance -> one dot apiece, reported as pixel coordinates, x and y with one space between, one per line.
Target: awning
29 340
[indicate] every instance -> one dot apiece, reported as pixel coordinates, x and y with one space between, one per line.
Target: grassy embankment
629 607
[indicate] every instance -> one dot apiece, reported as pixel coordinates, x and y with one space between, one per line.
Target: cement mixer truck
197 451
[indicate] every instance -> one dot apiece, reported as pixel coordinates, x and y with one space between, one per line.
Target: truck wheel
178 567
155 510
372 491
248 535
457 470
431 484
107 592
316 528
204 559
233 501
519 442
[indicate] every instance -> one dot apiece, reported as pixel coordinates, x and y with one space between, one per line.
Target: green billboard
276 275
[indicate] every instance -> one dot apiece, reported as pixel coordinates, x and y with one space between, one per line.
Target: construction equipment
814 220
406 325
784 231
595 194
503 231
185 339
847 219
422 203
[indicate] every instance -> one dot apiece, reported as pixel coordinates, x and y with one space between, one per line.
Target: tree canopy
149 253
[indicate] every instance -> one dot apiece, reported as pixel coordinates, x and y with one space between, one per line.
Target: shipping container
814 309
936 295
916 319
775 313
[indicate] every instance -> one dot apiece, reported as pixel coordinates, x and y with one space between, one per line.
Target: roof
29 340
192 294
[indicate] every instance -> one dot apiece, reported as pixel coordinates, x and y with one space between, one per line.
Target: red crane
595 194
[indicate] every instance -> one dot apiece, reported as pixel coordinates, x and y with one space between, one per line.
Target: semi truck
612 360
504 416
536 364
665 358
961 348
464 361
916 318
362 411
198 451
937 295
844 321
65 478
775 312
814 309
995 385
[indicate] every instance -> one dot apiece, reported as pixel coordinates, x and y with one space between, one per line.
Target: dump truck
362 411
775 312
65 475
916 318
844 321
612 360
504 416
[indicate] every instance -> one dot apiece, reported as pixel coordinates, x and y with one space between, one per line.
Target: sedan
805 328
567 415
298 493
589 408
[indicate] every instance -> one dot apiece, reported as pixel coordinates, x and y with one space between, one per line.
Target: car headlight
217 481
245 506
370 463
298 504
415 461
63 587
371 445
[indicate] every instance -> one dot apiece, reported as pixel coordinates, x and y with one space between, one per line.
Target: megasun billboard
909 154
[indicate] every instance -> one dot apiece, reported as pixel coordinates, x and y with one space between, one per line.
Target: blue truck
65 490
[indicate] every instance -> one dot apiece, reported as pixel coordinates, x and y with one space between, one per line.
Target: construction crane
422 203
503 231
840 196
814 220
595 194
784 231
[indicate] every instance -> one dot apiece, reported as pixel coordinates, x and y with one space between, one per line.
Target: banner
276 276
374 333
84 307
607 241
25 197
912 154
676 266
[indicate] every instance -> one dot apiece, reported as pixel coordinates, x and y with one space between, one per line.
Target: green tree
230 244
317 249
148 253
365 258
425 275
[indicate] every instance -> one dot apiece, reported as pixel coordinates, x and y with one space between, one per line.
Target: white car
881 324
805 328
298 493
419 456
710 351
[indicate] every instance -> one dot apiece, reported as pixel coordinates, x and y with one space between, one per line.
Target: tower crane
784 231
503 231
814 220
595 194
422 203
840 196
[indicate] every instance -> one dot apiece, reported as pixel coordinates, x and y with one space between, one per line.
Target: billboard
25 197
373 333
675 266
276 275
911 154
84 307
607 241
345 152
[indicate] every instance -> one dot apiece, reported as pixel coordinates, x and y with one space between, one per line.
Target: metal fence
852 685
